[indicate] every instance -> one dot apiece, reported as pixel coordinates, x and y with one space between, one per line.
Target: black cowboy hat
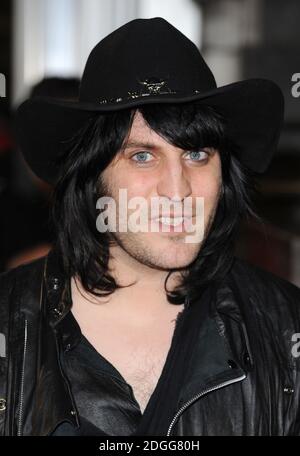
150 61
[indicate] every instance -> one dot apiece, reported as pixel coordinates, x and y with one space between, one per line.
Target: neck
128 271
144 296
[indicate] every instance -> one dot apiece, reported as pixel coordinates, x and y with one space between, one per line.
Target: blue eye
198 155
140 154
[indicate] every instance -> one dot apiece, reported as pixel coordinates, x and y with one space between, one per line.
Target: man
138 328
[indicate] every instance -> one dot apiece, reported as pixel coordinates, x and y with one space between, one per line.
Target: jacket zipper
202 393
22 381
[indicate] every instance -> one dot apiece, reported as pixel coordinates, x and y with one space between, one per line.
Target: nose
174 181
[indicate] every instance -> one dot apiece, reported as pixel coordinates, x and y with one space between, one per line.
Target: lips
173 216
174 221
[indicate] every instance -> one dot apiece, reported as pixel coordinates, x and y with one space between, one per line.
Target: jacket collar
222 353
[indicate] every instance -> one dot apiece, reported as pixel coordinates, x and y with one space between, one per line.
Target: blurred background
44 45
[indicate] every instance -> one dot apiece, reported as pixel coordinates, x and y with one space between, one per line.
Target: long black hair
85 251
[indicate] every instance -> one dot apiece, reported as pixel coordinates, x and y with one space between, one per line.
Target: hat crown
143 58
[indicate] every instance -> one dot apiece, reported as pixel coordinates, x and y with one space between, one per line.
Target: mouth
173 222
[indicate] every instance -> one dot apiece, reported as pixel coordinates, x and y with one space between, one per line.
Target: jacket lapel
221 355
54 402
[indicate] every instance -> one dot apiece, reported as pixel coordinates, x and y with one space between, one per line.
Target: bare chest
139 358
142 371
137 347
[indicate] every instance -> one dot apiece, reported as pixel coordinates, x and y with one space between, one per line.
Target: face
162 171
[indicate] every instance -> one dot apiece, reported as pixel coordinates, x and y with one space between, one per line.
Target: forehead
141 134
139 126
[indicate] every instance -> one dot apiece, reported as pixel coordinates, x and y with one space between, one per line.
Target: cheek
136 185
118 179
125 188
208 187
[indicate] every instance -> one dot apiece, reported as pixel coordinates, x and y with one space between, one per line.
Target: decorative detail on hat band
153 86
134 95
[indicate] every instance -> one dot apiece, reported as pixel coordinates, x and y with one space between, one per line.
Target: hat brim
253 110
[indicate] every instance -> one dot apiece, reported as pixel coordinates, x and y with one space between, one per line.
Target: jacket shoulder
20 279
264 278
269 291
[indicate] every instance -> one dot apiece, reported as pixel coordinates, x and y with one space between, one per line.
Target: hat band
153 86
135 95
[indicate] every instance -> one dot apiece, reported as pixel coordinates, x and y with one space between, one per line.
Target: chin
176 259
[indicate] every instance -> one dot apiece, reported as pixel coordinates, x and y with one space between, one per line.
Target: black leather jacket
245 377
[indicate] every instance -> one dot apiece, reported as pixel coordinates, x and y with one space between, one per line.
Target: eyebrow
131 144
